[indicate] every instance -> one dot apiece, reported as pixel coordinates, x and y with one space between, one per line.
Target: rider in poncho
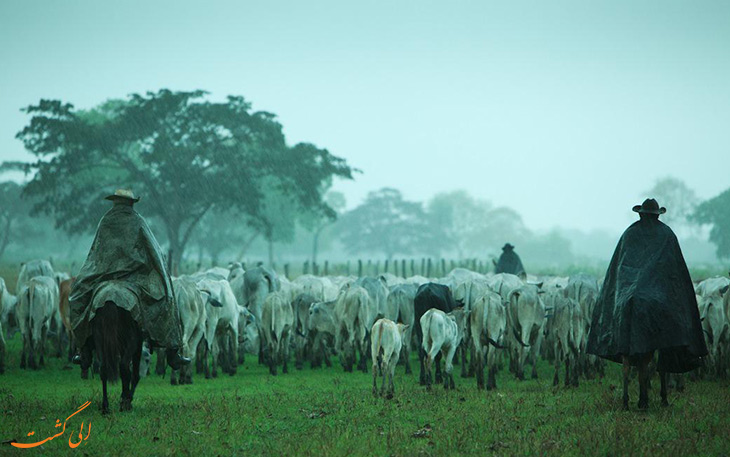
509 262
648 302
125 250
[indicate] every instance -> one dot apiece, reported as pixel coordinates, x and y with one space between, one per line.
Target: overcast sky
566 111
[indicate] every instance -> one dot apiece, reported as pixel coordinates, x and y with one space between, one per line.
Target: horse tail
106 328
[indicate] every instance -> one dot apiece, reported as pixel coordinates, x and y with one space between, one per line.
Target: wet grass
327 412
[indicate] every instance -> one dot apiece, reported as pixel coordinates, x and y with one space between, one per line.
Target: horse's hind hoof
125 405
665 403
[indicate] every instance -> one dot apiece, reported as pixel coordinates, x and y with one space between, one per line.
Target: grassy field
328 412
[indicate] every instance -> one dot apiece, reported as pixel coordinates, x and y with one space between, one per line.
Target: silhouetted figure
509 262
125 250
648 304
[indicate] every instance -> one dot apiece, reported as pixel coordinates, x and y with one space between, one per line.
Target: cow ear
724 290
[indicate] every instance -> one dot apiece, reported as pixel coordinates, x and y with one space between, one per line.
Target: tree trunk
315 243
6 236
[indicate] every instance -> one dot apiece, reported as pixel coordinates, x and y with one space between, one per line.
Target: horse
642 361
117 340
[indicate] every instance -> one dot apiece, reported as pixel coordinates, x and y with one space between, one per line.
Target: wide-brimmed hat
650 206
122 194
507 246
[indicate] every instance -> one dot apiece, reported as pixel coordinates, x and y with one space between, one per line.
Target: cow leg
567 370
437 360
384 385
449 378
679 382
464 373
534 367
479 370
492 380
472 361
375 376
626 370
23 354
421 356
429 362
663 379
556 378
407 356
161 362
574 362
173 377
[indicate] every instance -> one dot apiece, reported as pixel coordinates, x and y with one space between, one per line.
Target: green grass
328 412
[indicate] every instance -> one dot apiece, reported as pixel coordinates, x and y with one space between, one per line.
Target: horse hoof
665 403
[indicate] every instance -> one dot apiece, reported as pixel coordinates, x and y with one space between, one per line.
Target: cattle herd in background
492 322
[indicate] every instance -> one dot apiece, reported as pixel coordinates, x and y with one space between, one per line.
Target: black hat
507 246
122 194
649 206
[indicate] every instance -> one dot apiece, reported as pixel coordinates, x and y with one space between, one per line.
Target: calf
277 320
442 334
36 308
386 341
488 322
430 296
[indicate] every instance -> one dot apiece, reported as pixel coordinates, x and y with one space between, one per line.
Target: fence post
347 268
443 267
286 270
305 268
359 268
385 268
377 267
428 268
315 269
326 267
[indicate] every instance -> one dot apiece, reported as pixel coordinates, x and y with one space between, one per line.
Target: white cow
567 327
386 342
711 302
401 297
525 320
221 324
36 308
8 301
354 315
442 333
488 322
504 284
277 322
191 306
322 324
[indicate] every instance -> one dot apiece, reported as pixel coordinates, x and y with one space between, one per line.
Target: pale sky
566 111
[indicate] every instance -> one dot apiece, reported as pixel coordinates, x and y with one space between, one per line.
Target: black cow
430 295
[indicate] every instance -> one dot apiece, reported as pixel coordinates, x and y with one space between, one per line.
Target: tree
385 223
184 155
716 212
460 221
11 209
679 200
317 223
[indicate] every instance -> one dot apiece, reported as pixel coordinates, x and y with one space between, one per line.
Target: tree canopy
180 152
385 223
716 211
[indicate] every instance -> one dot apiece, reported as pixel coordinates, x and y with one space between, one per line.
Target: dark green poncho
647 302
509 262
125 250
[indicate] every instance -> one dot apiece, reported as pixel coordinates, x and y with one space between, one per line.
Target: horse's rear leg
644 383
125 404
626 371
663 379
105 397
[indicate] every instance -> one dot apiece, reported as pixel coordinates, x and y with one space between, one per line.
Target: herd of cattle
490 321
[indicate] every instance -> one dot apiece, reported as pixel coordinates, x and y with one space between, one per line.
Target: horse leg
626 370
105 397
644 383
663 379
125 404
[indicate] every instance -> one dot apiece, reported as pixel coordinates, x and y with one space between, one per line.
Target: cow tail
514 304
380 338
425 329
